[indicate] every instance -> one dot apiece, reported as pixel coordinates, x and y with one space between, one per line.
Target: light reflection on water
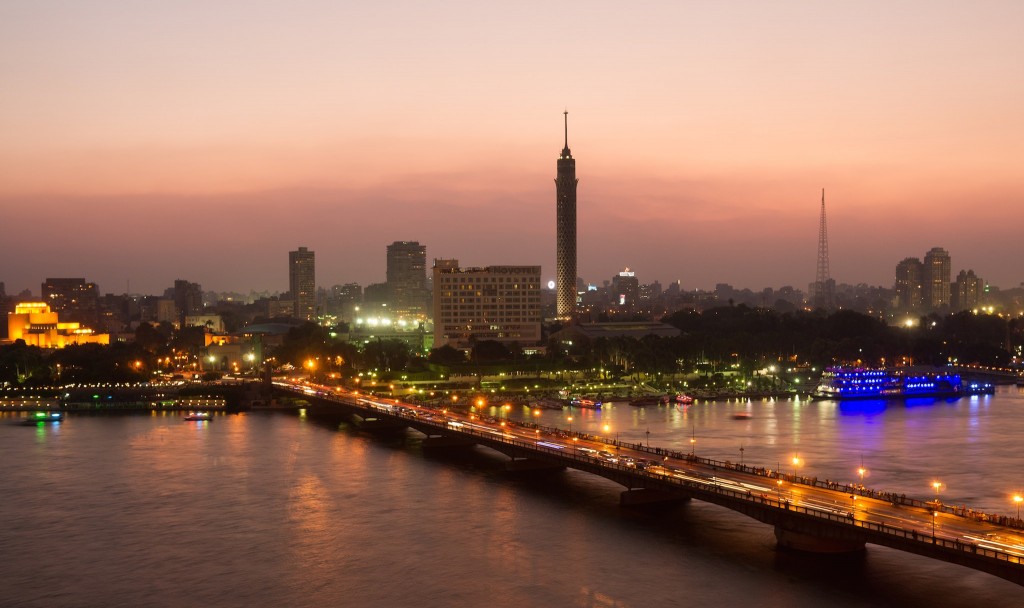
272 510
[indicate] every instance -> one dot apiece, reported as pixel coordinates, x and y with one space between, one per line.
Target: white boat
199 416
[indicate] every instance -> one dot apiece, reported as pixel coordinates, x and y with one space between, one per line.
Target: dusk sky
152 141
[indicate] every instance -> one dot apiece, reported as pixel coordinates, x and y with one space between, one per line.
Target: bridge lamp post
570 425
1017 498
935 515
936 485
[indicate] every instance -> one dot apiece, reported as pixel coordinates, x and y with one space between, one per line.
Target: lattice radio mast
822 281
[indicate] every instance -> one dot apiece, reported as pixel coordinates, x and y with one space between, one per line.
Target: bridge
808 514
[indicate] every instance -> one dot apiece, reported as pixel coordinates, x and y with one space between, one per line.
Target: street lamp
1017 498
570 425
693 440
936 485
649 439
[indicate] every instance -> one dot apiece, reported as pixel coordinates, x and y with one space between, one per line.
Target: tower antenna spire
566 113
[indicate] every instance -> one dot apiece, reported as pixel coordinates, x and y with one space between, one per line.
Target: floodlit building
500 303
37 325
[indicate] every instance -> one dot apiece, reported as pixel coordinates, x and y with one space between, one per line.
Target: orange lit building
37 325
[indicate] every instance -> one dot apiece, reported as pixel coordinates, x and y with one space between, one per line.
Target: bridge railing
702 484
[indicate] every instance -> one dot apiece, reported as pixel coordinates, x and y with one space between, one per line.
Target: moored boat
843 383
198 416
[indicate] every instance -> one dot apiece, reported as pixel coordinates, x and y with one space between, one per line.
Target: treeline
730 335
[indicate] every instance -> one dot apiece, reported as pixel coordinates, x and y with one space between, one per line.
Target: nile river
277 510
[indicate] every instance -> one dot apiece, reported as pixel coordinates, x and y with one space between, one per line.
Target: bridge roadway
807 514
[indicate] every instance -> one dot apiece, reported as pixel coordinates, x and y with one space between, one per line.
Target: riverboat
42 417
843 383
585 403
198 416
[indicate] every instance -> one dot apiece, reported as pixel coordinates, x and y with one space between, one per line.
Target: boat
585 403
684 399
198 416
741 416
44 416
846 383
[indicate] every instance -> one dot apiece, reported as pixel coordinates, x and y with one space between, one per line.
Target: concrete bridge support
812 543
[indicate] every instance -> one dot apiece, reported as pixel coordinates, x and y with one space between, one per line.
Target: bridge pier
810 543
642 497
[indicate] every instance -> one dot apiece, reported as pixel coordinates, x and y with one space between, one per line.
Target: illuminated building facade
565 231
500 303
302 282
37 325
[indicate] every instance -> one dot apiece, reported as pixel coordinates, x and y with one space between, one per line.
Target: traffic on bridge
802 508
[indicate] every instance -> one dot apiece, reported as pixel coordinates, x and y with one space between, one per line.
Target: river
265 509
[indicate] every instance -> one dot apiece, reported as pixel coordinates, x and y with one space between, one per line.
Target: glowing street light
1017 498
936 485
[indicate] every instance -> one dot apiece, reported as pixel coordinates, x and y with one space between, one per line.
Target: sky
143 142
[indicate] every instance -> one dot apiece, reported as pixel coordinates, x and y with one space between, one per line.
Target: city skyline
705 134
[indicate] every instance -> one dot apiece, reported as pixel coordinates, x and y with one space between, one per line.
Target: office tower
499 303
302 283
937 270
625 289
565 227
188 300
967 291
74 299
824 286
909 285
407 278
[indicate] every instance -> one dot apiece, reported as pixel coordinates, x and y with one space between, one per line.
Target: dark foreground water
275 510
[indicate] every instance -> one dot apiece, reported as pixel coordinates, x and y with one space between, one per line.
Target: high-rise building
909 285
625 289
407 278
565 228
74 299
188 299
937 270
966 292
500 303
302 283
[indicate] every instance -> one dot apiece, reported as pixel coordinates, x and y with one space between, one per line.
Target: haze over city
146 143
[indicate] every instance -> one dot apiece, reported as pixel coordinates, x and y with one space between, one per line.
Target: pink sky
146 142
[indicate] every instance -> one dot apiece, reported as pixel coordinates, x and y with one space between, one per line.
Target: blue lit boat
842 383
42 417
